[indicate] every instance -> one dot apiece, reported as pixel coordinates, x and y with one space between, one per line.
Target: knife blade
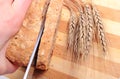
33 59
34 53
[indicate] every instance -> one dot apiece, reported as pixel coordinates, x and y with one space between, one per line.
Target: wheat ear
72 26
71 32
82 31
89 27
76 52
79 44
99 29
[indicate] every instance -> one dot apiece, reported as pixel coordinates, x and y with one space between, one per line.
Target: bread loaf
22 44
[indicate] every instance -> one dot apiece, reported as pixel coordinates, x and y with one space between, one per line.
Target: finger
10 67
10 1
6 65
6 1
21 6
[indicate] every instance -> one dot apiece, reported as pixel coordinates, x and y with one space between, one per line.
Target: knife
33 58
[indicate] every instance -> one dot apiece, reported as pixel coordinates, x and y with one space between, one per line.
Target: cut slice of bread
48 38
22 44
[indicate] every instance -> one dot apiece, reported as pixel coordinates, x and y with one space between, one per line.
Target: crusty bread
21 46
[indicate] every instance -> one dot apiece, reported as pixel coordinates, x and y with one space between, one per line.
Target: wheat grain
99 29
89 27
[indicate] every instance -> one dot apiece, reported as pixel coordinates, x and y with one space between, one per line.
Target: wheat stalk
89 27
99 29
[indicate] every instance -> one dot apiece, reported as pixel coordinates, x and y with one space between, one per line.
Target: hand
12 13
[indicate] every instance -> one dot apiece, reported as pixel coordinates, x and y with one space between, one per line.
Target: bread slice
48 38
21 46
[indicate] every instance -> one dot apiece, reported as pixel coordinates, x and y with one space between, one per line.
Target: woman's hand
12 13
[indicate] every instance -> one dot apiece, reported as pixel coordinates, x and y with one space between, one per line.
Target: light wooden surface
96 67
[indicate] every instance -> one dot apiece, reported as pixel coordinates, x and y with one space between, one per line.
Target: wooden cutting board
62 68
